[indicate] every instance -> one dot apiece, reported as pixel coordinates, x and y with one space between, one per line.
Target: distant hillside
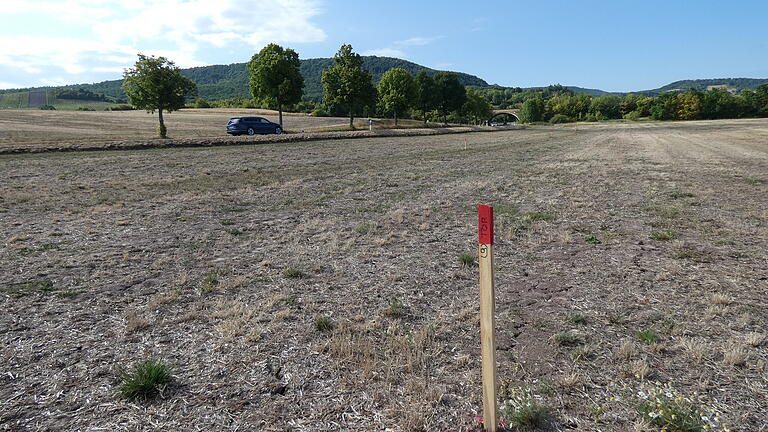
231 81
736 84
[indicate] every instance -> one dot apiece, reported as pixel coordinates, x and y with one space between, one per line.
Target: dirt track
111 258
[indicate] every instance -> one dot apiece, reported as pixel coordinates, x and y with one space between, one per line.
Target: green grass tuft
568 339
648 336
577 318
467 259
592 240
294 273
394 310
145 381
664 235
324 324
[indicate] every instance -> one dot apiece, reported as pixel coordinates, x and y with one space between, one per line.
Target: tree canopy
275 77
347 84
156 83
397 91
426 93
451 95
477 107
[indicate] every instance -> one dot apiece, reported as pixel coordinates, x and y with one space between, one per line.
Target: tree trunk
395 118
161 131
351 118
280 113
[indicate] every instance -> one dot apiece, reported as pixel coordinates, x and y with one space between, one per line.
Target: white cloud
385 52
417 41
398 48
8 85
111 32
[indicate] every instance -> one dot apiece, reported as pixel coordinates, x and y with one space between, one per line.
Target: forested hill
736 84
231 81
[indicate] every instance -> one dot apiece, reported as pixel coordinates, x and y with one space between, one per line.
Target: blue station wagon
252 126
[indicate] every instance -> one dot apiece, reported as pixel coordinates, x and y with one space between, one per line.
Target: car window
264 120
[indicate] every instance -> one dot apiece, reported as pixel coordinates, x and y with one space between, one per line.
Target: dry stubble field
221 260
25 127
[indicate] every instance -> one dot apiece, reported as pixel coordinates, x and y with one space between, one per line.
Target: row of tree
156 84
275 80
563 105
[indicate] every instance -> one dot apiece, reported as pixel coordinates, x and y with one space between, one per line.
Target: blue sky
612 45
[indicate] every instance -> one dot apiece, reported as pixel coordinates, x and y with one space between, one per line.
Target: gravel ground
220 261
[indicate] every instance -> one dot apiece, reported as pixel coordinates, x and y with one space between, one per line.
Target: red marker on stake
487 313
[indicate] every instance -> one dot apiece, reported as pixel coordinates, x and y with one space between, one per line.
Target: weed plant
671 411
522 409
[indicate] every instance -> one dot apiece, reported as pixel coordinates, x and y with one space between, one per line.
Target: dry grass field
319 286
44 127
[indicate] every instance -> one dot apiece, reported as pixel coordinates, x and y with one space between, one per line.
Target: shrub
560 118
85 109
634 116
145 381
320 112
122 107
201 103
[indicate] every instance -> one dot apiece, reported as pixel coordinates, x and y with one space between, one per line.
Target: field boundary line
156 143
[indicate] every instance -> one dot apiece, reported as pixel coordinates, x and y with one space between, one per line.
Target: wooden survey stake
487 313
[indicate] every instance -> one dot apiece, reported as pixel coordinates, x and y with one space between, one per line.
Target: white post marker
487 319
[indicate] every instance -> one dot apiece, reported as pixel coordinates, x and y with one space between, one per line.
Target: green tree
644 105
689 105
451 95
397 91
275 78
757 101
532 110
665 107
347 83
156 83
606 107
629 103
477 107
720 104
426 93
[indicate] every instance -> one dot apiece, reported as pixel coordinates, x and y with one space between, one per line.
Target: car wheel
278 130
251 131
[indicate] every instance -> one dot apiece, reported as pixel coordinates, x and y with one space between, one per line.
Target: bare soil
221 260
